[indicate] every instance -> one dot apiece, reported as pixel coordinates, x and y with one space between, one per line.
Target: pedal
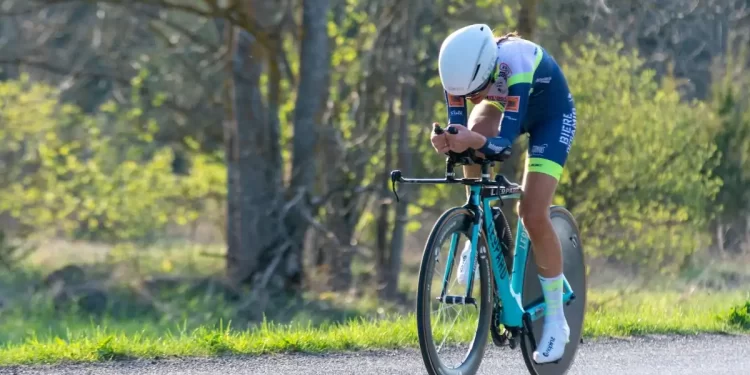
513 342
572 298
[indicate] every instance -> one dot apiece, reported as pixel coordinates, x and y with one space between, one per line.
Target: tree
313 85
638 175
732 223
266 229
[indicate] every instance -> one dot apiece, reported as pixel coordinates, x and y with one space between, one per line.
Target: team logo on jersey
513 103
501 87
505 71
455 101
538 149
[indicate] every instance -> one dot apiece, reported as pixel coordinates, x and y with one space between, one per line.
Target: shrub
638 175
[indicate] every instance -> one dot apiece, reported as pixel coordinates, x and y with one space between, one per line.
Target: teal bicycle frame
510 289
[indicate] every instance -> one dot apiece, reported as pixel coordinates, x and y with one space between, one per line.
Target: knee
535 216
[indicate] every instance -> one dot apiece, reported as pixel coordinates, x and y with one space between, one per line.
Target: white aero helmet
467 59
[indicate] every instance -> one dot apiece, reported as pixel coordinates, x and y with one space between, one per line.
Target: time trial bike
506 300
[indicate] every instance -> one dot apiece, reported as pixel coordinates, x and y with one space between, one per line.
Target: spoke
446 335
447 306
443 313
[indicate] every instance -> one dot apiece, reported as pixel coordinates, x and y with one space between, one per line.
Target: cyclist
516 87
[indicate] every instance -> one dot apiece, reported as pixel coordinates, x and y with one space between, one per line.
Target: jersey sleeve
514 87
514 110
456 109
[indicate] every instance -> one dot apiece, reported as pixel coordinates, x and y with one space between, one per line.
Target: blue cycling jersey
533 95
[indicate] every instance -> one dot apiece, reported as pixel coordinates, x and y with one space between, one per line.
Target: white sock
553 296
556 332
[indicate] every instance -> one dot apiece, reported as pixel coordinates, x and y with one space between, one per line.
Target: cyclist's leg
549 145
538 192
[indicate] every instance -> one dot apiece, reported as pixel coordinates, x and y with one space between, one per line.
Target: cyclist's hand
464 139
439 142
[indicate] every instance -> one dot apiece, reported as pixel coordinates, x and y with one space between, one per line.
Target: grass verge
609 315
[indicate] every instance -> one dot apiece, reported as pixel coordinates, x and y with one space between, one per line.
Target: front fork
472 205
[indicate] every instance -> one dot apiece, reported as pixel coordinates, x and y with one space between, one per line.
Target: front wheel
443 327
574 269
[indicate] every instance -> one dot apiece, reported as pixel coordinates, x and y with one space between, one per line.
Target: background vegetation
167 165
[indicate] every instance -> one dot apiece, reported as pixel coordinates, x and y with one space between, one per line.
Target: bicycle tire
457 219
574 268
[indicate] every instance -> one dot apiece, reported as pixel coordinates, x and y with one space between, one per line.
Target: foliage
739 316
732 104
647 172
94 176
13 252
638 176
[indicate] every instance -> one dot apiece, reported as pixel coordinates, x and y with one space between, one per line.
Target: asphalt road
726 355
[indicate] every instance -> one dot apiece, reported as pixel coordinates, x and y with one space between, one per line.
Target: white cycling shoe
552 345
462 274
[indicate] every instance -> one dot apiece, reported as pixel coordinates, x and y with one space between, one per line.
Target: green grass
661 313
85 341
32 332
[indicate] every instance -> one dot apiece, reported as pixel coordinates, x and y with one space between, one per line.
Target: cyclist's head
467 60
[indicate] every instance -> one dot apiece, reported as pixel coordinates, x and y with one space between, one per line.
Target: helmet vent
476 71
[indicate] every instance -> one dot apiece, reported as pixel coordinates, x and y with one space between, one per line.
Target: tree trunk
527 18
241 258
746 245
253 195
343 221
382 247
328 145
274 103
314 62
404 154
720 236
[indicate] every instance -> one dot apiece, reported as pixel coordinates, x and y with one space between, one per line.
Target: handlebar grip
453 157
396 175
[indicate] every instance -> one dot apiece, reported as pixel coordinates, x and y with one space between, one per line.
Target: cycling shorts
550 120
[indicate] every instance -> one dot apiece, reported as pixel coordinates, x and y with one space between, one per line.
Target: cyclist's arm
514 110
456 109
487 112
